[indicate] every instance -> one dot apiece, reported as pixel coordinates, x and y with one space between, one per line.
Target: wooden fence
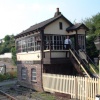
82 88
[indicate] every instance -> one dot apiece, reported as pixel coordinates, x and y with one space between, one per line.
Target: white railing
82 88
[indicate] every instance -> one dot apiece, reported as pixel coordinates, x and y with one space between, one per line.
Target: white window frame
33 74
28 44
55 43
81 41
23 73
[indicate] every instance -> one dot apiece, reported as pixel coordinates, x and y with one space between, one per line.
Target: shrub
9 75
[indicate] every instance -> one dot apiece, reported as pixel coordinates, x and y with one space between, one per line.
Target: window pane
33 74
81 41
23 73
60 25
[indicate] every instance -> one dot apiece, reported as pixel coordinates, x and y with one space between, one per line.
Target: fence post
4 68
76 88
86 88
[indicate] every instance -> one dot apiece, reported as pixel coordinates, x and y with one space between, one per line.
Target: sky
18 15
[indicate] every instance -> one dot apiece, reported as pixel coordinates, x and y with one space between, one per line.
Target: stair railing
81 62
89 59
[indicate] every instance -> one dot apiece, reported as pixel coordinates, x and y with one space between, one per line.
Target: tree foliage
7 38
93 24
13 51
8 46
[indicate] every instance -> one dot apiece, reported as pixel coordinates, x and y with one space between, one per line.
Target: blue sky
18 15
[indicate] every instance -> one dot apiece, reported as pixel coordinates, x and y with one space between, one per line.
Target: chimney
57 9
57 13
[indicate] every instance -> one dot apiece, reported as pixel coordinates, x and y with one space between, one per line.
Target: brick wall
27 82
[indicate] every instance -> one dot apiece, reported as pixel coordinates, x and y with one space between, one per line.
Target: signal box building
40 49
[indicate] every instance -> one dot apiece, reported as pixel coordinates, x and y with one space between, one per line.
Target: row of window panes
24 74
54 42
50 41
28 44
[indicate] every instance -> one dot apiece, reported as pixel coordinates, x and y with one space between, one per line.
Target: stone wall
6 55
8 63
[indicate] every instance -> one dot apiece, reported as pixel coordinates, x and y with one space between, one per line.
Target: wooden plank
79 63
86 88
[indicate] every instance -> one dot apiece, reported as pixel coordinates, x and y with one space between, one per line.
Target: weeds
9 75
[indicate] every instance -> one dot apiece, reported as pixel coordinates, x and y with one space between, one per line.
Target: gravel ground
22 93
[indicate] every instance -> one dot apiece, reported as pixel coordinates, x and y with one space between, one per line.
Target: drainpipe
42 55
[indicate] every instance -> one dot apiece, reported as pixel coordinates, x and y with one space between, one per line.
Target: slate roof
43 25
76 26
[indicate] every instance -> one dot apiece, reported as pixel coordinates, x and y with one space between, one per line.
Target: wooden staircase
76 66
81 65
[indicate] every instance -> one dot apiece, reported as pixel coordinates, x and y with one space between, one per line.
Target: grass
43 96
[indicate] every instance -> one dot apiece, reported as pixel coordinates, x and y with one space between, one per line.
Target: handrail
89 59
81 60
79 63
90 65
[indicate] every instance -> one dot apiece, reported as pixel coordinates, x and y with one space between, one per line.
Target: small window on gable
60 26
33 74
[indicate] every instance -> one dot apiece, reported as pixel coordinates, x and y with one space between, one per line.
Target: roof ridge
47 19
43 24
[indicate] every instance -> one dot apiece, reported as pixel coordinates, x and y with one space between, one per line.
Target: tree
90 47
93 24
8 46
13 51
7 38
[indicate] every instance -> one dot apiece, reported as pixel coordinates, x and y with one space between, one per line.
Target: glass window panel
33 74
23 73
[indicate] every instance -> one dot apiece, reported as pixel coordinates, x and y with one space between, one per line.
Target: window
60 26
18 46
29 43
33 74
81 41
56 42
23 73
37 44
24 46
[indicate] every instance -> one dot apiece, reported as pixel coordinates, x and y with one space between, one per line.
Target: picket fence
82 88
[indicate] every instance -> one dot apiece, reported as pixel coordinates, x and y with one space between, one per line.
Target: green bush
9 75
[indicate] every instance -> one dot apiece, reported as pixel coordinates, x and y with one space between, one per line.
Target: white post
98 96
99 74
